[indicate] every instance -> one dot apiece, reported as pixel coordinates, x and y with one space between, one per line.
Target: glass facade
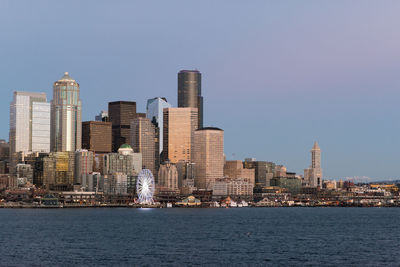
189 92
66 115
29 123
179 127
154 112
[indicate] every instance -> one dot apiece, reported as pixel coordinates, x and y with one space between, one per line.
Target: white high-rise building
154 111
313 175
29 123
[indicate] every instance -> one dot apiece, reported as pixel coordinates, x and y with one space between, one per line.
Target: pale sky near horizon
277 75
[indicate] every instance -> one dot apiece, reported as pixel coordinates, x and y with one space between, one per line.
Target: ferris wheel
145 187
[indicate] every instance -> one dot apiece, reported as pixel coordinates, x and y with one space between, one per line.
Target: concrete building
121 113
97 136
116 184
186 171
290 182
154 112
92 182
29 124
168 176
208 156
234 169
232 187
189 92
125 161
313 175
179 127
59 171
24 173
66 115
83 164
263 171
144 140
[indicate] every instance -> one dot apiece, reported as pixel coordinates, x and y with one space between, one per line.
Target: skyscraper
121 113
154 112
313 175
29 123
179 127
96 136
144 140
66 115
189 92
208 156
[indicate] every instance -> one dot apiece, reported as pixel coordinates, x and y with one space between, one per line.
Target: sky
277 75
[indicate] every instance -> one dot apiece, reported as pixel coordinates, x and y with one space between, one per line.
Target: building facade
83 164
154 112
168 176
121 113
234 169
313 175
125 161
97 136
144 140
29 123
263 171
189 92
66 115
59 171
179 127
208 156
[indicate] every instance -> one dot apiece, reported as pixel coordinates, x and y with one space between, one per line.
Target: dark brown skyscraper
96 136
189 92
121 113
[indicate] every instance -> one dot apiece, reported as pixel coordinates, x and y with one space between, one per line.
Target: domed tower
66 115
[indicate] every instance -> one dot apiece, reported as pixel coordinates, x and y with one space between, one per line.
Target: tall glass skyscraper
154 112
66 115
29 123
189 92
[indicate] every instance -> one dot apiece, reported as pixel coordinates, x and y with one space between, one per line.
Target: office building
234 169
168 176
97 136
208 156
125 161
83 164
29 123
189 92
154 112
264 171
232 187
144 140
121 113
59 170
66 116
313 175
179 127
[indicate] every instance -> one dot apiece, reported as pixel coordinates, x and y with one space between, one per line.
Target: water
215 237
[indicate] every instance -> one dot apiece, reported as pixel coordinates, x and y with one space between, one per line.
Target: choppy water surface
181 237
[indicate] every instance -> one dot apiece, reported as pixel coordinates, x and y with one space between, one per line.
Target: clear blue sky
277 75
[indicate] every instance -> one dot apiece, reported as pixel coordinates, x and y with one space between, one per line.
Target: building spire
316 146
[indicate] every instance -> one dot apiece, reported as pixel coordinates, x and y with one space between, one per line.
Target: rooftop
209 128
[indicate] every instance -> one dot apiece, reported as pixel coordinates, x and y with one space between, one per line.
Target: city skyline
340 90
